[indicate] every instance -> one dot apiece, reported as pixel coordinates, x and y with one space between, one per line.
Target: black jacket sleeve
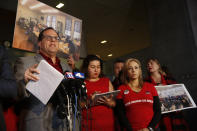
120 112
157 112
8 86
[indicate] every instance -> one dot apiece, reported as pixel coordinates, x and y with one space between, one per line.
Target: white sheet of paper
49 79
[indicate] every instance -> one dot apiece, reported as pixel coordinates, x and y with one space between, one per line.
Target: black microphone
82 91
71 87
64 90
68 83
61 107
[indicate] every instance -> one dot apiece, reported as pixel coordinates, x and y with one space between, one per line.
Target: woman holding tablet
140 100
96 114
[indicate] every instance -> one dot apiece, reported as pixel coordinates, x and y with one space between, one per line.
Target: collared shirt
57 64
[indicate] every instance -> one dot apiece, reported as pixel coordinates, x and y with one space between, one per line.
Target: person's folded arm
8 86
120 111
157 112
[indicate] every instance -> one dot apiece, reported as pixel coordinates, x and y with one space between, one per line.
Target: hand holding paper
49 79
29 73
174 97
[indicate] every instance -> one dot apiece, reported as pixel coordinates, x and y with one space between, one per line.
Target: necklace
136 89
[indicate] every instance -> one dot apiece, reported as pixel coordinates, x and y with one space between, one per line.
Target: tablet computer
107 94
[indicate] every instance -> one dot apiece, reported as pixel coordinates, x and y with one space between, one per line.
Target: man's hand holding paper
30 74
48 80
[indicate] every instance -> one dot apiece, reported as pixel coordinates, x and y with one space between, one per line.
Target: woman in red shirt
172 121
97 115
139 98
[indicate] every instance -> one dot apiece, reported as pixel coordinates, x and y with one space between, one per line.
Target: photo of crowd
34 16
174 97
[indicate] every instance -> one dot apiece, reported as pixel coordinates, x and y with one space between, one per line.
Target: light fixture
104 41
60 5
36 5
110 55
50 11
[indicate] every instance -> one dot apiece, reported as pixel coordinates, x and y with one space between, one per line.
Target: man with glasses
36 116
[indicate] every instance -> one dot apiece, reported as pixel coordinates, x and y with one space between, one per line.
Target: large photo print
33 16
174 97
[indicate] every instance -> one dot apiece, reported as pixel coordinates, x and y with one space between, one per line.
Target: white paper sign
49 79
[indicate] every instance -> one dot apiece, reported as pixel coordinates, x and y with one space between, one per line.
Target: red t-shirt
100 117
139 106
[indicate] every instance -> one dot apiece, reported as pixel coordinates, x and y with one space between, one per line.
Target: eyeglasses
51 38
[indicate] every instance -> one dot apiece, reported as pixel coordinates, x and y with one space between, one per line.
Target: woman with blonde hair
139 99
156 75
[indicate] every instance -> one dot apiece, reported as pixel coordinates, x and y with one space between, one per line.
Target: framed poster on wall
33 16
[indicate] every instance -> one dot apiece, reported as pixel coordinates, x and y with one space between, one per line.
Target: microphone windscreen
79 75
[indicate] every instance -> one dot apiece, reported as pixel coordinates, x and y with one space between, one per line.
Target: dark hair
167 73
86 62
118 61
40 37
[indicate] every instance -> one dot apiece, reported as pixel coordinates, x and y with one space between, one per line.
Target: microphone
62 94
80 84
74 84
79 75
69 75
70 89
67 83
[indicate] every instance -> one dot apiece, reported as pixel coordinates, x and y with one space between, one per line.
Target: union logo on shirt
126 92
148 92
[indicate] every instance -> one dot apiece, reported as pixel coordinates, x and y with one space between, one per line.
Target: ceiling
123 23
